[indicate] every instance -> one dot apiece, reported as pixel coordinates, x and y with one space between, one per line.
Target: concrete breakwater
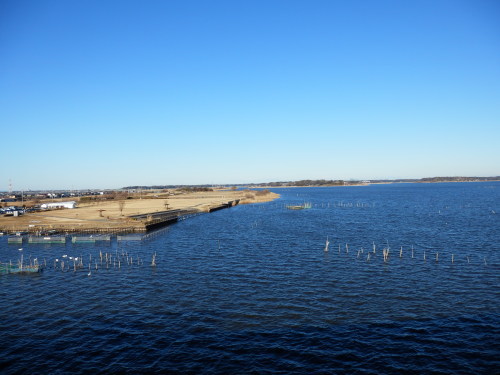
224 205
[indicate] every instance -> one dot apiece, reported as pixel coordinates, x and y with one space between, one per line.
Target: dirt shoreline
114 215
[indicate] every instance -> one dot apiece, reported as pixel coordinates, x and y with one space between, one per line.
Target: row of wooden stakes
386 252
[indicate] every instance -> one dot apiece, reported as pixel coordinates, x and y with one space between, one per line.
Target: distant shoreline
366 184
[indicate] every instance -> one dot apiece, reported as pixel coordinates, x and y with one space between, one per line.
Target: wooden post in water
401 252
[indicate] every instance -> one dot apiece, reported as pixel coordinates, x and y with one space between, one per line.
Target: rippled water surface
251 290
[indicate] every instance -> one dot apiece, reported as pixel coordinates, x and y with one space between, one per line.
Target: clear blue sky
105 94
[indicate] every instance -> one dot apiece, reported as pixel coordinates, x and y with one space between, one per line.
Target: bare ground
114 214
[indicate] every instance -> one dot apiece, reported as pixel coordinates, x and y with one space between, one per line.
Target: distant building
71 204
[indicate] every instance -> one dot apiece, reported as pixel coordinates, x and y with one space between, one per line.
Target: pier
224 205
160 219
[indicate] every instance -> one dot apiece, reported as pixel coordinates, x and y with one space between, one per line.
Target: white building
70 204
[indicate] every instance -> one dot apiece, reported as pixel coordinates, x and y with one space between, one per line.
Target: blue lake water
250 289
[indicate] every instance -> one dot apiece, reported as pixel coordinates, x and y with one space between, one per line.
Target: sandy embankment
115 213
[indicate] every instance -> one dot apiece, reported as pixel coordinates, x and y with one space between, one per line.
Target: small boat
301 207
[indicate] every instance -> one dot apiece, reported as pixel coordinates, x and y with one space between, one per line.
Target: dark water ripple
250 290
